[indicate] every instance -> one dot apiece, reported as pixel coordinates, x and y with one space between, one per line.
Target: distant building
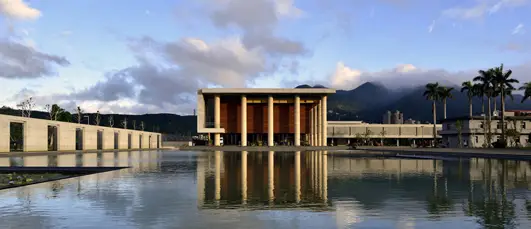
393 118
473 130
387 118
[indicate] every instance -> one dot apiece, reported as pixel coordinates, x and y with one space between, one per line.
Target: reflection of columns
297 120
244 121
314 170
217 123
319 173
244 176
218 175
270 120
325 176
324 126
200 181
271 175
298 176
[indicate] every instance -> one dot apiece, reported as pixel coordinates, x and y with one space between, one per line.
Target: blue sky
138 56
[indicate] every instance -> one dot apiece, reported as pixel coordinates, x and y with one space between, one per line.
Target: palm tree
503 81
445 93
527 91
433 93
486 79
469 88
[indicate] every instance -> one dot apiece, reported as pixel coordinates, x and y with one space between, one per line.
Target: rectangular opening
129 141
140 141
149 142
99 140
16 136
52 138
79 139
158 141
116 138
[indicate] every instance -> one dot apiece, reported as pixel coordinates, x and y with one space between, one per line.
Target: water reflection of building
262 179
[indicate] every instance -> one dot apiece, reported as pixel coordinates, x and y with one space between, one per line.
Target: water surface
270 190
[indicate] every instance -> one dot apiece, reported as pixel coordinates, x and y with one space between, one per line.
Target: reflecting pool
180 189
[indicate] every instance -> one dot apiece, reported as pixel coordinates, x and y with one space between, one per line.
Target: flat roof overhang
271 91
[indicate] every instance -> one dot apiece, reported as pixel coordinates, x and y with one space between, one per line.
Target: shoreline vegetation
14 179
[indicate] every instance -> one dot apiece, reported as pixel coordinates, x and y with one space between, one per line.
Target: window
523 125
481 125
477 139
499 125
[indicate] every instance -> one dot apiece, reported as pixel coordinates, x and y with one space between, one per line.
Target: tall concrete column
324 122
312 126
271 175
244 177
244 121
217 123
297 120
318 128
298 176
270 120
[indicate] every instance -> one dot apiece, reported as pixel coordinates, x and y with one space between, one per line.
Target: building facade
263 116
343 132
472 132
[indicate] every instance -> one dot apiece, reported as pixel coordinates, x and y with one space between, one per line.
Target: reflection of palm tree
493 210
438 204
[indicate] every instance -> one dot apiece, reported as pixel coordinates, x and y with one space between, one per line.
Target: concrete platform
520 154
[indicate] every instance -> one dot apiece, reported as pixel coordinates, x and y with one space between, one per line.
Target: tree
382 134
486 79
134 124
142 125
503 81
111 121
26 106
367 135
527 91
97 120
459 127
445 94
54 111
64 116
469 88
432 93
124 123
79 114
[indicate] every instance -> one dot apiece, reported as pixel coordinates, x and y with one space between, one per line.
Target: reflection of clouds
166 197
348 213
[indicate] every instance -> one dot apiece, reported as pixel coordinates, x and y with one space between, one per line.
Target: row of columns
317 161
318 121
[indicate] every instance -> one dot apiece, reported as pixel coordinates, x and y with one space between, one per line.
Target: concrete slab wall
36 135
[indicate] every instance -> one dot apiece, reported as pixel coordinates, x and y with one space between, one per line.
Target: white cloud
18 9
519 29
481 8
431 27
345 77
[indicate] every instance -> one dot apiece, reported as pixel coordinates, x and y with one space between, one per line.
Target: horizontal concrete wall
35 134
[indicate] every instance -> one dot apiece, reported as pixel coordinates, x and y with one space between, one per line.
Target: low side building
31 135
342 132
473 130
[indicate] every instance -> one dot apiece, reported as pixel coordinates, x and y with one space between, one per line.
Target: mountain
413 105
363 97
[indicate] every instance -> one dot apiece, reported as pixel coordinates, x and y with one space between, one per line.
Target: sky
137 56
